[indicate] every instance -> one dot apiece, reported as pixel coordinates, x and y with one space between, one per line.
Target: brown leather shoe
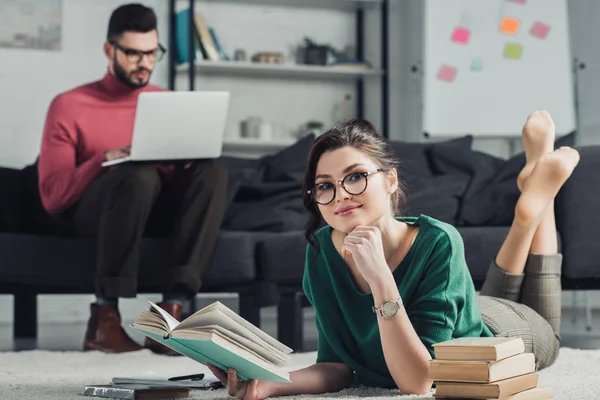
175 310
105 333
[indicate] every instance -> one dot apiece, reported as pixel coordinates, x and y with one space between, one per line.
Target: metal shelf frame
298 71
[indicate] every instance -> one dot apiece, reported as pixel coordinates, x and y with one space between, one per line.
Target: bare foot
538 139
547 177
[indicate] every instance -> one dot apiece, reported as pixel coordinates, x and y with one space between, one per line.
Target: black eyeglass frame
366 175
160 50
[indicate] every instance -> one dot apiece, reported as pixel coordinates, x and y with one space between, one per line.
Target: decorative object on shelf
250 127
310 128
311 53
240 55
265 131
344 110
267 57
258 128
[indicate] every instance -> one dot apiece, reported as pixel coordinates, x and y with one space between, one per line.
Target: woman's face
355 205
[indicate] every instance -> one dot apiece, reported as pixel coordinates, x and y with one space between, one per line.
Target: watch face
389 308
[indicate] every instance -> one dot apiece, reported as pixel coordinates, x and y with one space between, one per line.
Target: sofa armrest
578 217
11 199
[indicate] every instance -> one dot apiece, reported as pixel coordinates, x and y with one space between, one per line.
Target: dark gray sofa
261 248
282 256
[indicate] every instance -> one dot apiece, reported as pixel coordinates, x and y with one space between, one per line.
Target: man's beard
122 75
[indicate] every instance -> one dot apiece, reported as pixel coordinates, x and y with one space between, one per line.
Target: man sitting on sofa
93 123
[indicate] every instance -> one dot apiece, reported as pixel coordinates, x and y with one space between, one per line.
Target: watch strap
379 311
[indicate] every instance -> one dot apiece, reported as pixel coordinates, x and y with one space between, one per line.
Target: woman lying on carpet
386 288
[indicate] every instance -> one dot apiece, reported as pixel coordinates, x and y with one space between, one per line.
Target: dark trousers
134 200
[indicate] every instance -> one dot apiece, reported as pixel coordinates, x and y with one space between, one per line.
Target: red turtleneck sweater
81 125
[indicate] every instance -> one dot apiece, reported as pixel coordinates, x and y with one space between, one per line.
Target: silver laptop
171 126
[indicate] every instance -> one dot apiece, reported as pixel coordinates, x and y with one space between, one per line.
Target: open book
219 336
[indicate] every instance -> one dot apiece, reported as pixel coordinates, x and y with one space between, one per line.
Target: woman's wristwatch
389 308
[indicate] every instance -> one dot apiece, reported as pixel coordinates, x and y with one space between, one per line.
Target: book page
218 314
152 319
267 354
172 322
216 317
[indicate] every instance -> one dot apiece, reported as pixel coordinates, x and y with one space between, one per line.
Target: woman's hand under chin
365 246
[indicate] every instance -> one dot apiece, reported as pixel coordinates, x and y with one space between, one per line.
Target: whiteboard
489 63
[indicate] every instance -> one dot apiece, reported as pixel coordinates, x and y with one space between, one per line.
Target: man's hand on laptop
115 154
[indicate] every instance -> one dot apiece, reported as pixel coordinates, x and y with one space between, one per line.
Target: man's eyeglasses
354 183
135 56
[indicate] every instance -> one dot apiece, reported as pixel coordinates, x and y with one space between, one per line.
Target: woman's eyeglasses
354 183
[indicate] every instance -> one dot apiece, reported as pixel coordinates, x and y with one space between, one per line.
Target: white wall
406 96
30 79
585 30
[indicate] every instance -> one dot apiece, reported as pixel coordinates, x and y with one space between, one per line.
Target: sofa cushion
481 246
11 190
70 262
282 256
436 196
414 156
577 217
494 203
289 164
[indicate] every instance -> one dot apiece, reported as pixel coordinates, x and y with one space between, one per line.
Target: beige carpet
45 375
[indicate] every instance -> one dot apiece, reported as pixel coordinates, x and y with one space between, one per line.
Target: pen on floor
195 377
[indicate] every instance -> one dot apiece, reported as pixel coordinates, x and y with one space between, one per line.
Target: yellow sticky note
510 26
513 50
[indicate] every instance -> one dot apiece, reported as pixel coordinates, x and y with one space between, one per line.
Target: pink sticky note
447 73
517 1
461 35
539 30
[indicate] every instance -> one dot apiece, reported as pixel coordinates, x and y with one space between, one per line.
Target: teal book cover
207 351
182 37
215 39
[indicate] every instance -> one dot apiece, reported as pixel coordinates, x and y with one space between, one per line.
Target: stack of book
485 368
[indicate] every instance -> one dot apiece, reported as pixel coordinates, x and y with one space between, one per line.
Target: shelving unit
293 71
324 4
250 147
237 68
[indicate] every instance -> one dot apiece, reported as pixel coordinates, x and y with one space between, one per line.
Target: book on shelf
182 39
481 371
495 390
206 39
218 46
217 335
479 348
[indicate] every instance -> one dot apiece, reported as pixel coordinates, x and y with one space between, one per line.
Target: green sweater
434 283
